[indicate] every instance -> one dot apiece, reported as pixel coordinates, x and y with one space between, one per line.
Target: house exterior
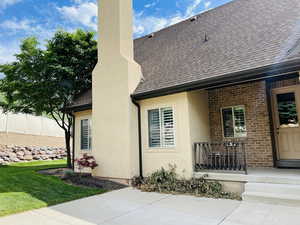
219 91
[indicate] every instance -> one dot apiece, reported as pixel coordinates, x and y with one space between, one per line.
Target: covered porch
254 143
254 128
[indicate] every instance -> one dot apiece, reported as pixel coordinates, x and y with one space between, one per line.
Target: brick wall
253 97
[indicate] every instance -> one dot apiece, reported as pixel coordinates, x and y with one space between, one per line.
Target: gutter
140 135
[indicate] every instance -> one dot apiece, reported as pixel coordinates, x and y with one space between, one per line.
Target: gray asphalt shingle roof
242 35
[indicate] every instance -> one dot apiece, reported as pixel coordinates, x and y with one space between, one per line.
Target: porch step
285 194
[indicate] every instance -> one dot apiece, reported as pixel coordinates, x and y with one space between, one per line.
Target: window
86 135
161 128
287 110
234 124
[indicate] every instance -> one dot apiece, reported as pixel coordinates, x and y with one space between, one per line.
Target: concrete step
273 188
285 194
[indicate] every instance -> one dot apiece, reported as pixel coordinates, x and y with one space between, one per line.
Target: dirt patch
83 180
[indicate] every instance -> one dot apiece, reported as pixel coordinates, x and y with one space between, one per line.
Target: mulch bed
83 180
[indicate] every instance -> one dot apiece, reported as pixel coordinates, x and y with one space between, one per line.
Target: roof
83 100
239 36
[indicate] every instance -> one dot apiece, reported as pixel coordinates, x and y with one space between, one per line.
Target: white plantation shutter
167 127
154 128
86 138
90 134
161 128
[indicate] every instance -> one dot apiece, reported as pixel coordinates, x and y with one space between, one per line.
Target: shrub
67 174
86 161
167 181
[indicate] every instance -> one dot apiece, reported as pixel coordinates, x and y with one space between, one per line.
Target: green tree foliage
46 80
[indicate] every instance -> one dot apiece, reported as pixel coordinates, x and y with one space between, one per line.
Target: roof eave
79 108
228 79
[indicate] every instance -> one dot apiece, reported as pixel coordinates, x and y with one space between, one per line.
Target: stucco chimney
116 76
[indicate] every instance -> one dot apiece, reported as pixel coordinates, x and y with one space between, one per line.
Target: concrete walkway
132 207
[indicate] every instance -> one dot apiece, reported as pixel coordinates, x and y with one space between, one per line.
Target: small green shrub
167 181
67 174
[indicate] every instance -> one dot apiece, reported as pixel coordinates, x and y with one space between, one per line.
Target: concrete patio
132 207
256 175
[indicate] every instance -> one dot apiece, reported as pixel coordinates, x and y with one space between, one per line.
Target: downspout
73 140
140 135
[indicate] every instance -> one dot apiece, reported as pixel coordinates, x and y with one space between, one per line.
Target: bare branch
61 125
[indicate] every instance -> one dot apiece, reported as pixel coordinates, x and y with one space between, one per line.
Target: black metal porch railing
227 156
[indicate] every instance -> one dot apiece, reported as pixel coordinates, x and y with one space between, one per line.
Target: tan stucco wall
78 152
199 116
78 117
191 124
30 140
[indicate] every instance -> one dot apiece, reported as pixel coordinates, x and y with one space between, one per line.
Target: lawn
22 188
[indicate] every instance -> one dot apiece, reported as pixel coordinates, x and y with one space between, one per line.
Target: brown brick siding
253 97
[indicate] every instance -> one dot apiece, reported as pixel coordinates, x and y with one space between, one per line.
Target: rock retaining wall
10 154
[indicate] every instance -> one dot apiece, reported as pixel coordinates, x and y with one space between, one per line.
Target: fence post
245 158
195 156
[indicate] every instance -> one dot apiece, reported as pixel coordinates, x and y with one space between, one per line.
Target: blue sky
41 18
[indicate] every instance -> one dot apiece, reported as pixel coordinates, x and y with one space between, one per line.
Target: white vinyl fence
29 124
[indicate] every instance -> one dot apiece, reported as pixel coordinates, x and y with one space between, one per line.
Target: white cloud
148 24
207 4
150 5
83 12
192 7
7 53
26 27
6 3
15 25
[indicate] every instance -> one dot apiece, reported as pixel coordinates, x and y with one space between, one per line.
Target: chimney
115 27
116 76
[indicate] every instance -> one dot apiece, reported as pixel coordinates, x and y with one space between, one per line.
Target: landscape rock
28 157
20 153
9 154
12 155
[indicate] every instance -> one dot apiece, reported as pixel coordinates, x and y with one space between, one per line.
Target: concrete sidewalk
132 207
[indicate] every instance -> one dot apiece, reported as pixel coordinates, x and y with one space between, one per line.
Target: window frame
162 145
233 119
89 138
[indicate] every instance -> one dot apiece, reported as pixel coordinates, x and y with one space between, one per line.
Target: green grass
22 188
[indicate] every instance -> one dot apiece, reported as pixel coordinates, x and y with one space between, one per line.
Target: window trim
222 121
163 147
89 134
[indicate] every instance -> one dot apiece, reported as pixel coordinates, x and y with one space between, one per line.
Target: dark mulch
85 180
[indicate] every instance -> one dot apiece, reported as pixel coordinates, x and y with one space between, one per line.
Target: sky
41 18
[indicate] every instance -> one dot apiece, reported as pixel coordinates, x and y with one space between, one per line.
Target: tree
45 81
